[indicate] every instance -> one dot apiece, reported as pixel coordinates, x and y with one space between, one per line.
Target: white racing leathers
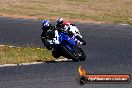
75 31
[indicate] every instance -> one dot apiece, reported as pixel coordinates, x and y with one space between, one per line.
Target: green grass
116 11
17 55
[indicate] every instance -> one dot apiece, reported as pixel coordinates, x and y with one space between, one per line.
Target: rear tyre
55 54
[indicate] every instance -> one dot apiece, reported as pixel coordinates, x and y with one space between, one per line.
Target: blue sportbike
68 48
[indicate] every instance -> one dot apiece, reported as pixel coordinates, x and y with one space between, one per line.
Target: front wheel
82 55
71 52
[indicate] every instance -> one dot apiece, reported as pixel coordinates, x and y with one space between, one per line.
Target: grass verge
17 55
115 11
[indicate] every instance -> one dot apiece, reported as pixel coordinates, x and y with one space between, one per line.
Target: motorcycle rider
64 26
52 31
50 34
47 34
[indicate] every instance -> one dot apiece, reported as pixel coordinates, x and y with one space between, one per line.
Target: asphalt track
108 49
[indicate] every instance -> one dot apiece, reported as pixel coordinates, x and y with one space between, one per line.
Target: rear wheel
55 54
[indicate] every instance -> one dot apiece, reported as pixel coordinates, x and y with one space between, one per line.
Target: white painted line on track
124 24
11 65
31 63
11 46
2 45
7 45
8 65
65 59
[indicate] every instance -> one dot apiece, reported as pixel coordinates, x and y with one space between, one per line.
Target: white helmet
60 20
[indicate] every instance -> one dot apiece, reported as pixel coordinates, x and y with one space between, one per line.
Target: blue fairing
63 37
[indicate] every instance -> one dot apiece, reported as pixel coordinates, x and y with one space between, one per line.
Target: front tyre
82 55
71 54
